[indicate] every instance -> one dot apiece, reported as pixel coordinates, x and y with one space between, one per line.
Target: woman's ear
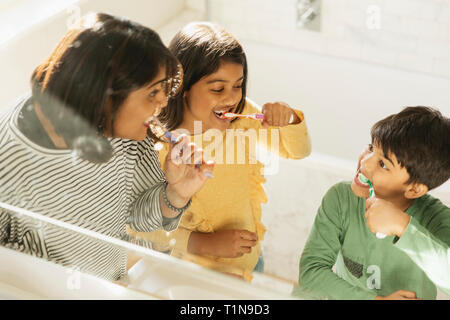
185 99
415 190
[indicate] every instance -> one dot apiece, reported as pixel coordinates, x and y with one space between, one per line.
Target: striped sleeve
62 186
145 212
4 227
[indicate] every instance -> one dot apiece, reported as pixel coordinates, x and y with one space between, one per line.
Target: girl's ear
415 190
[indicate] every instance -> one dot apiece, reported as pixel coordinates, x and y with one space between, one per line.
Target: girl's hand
278 114
224 243
185 169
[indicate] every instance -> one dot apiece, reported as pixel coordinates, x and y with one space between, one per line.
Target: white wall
413 35
347 76
341 99
21 54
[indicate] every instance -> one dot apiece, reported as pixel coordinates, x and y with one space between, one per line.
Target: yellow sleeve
291 141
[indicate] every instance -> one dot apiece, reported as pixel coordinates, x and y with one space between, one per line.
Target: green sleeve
321 250
429 248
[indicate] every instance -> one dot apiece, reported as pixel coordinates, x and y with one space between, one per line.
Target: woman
79 149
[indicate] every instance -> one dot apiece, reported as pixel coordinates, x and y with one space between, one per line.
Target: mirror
361 66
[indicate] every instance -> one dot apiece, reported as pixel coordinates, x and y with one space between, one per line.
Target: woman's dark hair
91 72
420 139
201 47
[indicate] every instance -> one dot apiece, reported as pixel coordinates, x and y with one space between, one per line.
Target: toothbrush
362 178
173 139
254 116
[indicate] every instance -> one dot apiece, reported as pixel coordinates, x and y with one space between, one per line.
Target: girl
78 148
222 229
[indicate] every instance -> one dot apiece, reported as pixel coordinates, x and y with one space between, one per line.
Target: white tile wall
413 34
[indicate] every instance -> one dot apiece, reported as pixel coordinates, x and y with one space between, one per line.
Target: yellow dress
232 199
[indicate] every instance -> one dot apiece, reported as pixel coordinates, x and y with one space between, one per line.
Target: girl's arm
223 243
289 141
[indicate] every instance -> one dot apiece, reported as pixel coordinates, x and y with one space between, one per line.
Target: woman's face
212 95
132 116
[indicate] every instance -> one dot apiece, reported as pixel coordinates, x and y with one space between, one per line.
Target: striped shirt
99 197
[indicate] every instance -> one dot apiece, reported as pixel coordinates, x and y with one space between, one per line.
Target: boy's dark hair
99 62
201 47
420 139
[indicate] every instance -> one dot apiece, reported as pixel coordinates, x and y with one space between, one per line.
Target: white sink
26 277
181 280
190 293
153 277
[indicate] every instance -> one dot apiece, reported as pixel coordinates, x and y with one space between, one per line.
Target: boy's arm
427 245
292 141
320 252
429 249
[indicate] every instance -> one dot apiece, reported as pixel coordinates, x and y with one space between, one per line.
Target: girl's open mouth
219 113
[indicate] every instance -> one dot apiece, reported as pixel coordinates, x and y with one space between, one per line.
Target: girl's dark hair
420 139
98 63
201 47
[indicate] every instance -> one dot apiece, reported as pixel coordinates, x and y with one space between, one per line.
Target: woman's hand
278 114
185 171
224 243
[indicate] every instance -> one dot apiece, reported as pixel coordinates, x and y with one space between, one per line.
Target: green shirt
366 266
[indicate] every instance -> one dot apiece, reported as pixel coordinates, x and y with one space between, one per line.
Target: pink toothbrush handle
258 116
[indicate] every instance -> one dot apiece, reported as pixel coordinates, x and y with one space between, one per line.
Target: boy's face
386 174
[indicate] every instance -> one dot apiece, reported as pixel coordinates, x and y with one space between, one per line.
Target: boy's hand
400 295
224 243
278 114
382 216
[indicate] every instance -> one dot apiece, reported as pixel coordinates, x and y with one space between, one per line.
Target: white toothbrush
254 116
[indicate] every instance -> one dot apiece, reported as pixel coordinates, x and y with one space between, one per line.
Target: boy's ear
415 190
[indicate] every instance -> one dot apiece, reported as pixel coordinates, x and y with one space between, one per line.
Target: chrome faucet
308 14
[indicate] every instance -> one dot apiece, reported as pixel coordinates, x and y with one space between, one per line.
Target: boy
409 155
